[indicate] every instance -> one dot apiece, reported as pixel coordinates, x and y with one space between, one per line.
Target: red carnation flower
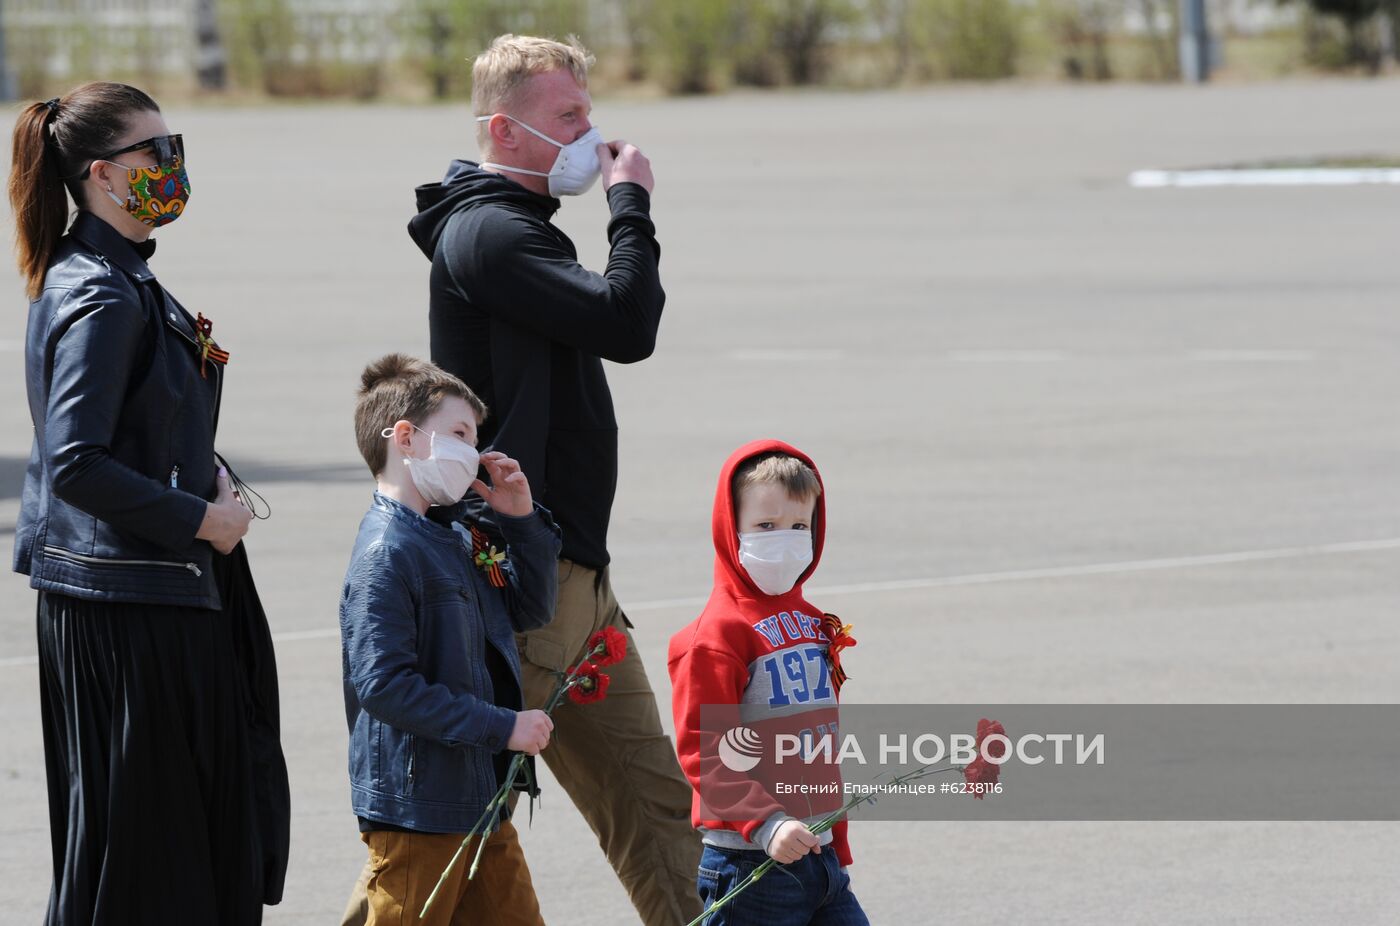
590 685
986 728
607 646
980 771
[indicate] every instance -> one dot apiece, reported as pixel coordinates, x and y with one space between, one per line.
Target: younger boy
757 644
427 621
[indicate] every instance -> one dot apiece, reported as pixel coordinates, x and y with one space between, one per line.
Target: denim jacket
416 616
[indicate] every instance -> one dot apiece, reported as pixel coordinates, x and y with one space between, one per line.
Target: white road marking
787 355
976 578
1005 356
1251 356
292 636
1292 176
1137 565
1015 355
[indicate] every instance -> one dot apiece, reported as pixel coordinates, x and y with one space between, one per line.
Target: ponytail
36 194
54 143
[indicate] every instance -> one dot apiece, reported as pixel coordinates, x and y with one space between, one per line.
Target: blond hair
777 468
502 69
396 388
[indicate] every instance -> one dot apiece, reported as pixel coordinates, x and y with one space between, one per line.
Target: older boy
432 681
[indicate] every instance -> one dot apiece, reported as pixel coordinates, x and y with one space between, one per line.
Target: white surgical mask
575 168
448 472
775 560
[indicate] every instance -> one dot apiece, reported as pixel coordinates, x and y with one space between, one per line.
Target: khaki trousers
404 868
612 757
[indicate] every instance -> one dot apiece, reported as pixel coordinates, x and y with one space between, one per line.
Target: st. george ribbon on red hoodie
750 666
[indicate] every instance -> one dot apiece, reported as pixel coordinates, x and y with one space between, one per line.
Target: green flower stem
450 865
485 825
825 824
494 808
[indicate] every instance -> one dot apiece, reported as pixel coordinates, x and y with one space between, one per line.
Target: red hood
732 578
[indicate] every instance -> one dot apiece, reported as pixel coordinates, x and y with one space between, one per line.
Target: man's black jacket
514 314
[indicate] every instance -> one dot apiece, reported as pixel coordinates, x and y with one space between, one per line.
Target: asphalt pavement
1082 442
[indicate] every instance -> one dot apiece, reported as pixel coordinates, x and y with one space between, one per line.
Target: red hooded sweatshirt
747 647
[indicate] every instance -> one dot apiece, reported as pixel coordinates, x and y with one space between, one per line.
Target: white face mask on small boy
775 560
447 473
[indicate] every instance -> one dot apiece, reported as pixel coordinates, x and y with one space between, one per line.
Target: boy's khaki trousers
404 868
612 757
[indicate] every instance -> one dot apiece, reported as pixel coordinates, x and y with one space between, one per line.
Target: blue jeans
813 891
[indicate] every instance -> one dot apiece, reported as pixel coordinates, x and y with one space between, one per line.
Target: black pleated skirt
168 796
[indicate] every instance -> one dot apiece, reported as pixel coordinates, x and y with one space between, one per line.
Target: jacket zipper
60 553
412 755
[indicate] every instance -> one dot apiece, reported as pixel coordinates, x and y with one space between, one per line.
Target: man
514 315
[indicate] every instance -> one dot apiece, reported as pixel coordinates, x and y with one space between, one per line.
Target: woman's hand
509 492
226 518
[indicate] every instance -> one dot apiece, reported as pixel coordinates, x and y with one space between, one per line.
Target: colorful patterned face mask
157 195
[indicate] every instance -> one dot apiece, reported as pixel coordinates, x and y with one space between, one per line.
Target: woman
167 788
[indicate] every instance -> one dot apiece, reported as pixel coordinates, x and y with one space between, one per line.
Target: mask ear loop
388 433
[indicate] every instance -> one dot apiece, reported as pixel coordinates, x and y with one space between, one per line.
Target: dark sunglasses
165 147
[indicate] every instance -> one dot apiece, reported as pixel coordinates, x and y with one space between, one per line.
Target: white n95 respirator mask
576 167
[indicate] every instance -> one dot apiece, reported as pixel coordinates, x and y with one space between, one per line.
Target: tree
453 32
1083 28
1360 19
801 31
691 36
1164 56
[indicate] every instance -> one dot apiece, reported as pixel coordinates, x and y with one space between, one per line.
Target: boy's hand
531 733
791 841
509 492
